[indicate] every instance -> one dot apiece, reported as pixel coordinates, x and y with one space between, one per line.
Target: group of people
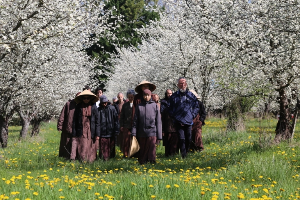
90 122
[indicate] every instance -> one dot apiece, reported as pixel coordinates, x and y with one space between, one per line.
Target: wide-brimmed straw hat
138 88
93 97
195 93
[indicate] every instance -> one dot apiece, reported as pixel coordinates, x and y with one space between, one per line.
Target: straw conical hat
138 88
79 98
195 93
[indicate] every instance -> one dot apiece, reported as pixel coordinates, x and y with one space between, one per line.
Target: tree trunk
235 118
284 126
36 123
25 119
4 131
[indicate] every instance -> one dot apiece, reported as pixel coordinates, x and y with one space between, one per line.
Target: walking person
184 107
119 104
170 137
99 93
64 124
86 128
125 123
147 128
109 129
197 143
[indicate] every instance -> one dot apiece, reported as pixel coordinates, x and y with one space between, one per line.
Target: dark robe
84 145
64 124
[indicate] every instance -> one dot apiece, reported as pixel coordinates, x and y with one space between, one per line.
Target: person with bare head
125 123
156 100
184 107
64 124
99 93
86 87
170 137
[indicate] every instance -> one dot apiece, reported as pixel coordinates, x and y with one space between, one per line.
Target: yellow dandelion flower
61 197
35 193
202 193
151 186
132 183
176 185
153 196
281 189
266 190
241 196
97 194
168 186
60 190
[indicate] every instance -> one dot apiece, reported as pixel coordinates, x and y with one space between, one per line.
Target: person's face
145 86
120 97
147 97
169 93
130 98
104 104
99 93
182 84
86 99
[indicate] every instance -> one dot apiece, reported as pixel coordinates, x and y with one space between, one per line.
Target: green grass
234 165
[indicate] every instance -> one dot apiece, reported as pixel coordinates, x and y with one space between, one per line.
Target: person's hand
97 138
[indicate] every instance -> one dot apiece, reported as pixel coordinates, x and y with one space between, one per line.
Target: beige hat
79 98
195 93
138 88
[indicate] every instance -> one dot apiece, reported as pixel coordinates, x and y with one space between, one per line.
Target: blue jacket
184 107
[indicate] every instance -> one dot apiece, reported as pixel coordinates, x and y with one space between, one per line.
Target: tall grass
234 165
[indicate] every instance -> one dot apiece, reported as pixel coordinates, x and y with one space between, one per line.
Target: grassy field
234 165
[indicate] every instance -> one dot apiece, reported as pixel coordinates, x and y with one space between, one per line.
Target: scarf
86 109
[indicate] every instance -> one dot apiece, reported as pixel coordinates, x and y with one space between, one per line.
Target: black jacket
109 122
77 122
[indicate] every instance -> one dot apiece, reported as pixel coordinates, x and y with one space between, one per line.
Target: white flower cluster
42 64
223 48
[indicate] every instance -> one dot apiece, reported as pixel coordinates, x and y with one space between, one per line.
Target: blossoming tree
41 65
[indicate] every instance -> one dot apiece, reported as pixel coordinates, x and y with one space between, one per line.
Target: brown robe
147 151
84 147
125 122
107 148
64 124
170 138
119 137
197 144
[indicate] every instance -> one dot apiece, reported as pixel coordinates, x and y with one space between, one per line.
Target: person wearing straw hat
86 127
147 128
64 124
109 128
184 107
138 98
198 122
